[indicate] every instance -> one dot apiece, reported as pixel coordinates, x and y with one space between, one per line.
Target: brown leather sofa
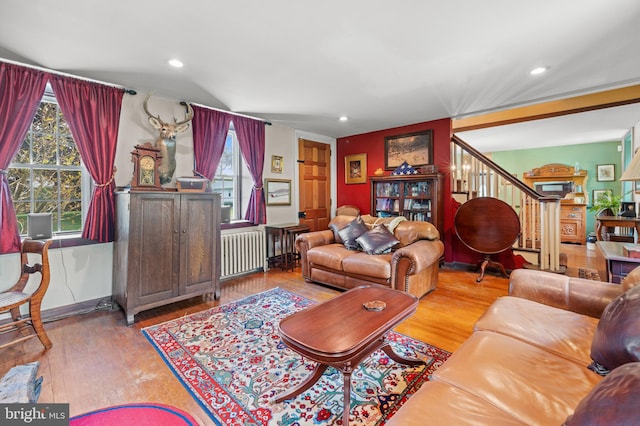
526 362
411 267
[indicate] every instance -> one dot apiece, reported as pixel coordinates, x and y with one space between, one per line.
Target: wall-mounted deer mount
166 140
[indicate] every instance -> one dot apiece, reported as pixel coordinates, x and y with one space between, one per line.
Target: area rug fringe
232 361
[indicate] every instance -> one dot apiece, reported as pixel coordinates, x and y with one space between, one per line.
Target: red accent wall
373 145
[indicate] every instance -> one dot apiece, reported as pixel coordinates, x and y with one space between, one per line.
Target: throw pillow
377 241
351 231
20 384
616 340
614 401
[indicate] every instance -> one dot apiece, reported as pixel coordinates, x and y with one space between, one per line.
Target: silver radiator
242 252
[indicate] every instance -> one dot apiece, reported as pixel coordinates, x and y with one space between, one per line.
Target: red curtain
210 128
20 92
93 113
250 134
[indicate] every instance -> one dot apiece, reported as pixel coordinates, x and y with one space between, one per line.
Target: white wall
84 273
78 274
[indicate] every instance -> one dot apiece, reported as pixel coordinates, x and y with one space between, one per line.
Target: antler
188 117
146 109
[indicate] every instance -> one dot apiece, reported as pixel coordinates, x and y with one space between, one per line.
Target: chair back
40 248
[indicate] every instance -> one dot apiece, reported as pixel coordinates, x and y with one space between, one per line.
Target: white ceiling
383 64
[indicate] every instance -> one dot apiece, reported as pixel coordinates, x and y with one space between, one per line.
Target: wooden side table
281 249
613 221
618 265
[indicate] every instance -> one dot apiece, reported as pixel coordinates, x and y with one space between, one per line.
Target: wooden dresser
166 248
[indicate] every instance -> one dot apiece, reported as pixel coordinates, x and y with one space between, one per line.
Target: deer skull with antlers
166 140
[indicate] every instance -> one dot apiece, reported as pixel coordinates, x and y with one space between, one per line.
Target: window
229 180
46 175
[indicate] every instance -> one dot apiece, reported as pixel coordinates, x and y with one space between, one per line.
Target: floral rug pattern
233 362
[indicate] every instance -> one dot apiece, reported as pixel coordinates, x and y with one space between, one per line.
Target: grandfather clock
146 160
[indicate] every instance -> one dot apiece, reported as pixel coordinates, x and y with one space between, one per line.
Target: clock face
147 170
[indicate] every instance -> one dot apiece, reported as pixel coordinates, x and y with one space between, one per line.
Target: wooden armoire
166 248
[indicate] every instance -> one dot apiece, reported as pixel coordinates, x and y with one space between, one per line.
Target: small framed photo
355 168
599 193
606 172
277 164
628 209
278 192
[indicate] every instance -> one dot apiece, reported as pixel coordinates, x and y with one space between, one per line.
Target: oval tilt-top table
487 226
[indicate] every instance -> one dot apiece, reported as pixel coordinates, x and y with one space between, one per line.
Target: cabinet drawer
622 268
573 213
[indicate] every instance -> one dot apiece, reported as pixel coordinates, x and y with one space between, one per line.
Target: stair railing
475 175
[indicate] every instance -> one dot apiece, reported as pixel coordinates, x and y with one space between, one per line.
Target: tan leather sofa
526 362
411 267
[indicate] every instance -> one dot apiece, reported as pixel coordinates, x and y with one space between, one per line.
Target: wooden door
314 171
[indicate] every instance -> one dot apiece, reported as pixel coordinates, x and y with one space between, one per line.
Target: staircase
474 175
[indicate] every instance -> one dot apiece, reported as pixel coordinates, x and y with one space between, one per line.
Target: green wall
587 155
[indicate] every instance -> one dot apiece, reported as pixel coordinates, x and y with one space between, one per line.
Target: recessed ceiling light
343 118
176 63
539 70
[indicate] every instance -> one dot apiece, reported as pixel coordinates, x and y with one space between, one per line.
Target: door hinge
300 161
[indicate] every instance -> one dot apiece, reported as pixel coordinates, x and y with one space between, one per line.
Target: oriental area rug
233 362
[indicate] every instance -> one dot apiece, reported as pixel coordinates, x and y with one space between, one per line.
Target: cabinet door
199 242
154 259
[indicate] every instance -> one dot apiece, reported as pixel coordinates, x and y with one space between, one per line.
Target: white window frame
86 185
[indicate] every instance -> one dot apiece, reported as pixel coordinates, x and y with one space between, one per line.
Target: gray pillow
351 231
377 241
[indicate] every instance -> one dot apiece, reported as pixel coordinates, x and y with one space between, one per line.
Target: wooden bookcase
416 197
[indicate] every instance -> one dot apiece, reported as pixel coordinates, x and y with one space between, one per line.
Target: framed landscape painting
414 148
278 192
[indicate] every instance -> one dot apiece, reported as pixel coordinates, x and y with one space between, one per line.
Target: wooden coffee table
341 332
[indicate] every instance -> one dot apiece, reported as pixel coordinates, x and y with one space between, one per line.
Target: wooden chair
11 299
347 210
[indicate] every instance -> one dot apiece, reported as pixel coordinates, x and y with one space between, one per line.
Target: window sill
236 224
70 240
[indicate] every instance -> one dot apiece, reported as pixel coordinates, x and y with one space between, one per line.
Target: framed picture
355 168
414 148
277 164
599 193
278 192
628 209
606 172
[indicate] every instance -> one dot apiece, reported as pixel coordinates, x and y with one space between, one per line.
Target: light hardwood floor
97 361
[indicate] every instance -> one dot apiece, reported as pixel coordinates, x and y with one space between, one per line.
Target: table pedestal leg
310 381
399 358
346 375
